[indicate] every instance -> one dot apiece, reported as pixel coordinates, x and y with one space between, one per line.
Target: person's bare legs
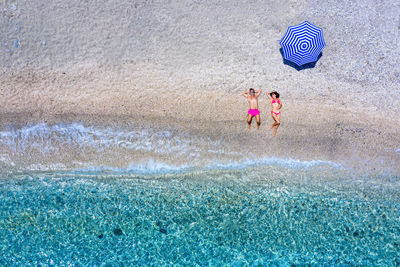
274 123
249 118
276 129
258 121
277 122
274 118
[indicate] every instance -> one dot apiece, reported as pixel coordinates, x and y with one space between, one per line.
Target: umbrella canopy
302 43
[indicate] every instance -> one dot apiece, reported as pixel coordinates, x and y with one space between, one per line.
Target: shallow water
85 195
256 215
134 149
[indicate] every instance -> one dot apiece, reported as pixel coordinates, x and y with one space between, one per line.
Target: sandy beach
186 63
124 141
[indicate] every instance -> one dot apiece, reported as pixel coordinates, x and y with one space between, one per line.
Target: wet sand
352 142
185 64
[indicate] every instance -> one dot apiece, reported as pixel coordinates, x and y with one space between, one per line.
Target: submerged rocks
118 232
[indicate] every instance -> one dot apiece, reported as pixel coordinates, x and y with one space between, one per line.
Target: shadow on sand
302 67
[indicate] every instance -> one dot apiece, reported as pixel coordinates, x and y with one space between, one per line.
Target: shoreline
184 65
366 148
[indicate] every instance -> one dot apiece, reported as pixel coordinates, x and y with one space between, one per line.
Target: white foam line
152 167
284 162
46 139
6 159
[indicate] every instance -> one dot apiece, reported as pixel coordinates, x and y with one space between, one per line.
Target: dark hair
274 93
251 89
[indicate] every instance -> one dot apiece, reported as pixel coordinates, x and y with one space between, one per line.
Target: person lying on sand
276 105
252 98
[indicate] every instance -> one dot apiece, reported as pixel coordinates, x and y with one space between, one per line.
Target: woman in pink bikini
276 105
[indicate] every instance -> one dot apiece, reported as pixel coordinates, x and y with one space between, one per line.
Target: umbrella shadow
302 67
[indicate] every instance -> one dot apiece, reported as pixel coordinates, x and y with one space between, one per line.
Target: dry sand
185 63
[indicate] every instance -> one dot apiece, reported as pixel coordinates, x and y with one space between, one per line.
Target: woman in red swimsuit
276 105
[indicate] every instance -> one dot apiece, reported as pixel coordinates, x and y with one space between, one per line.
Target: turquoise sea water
260 213
205 218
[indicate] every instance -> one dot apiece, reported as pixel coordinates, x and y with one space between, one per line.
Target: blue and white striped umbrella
302 43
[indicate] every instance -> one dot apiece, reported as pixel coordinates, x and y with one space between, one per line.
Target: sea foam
140 150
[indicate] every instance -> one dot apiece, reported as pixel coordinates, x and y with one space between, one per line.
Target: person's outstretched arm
258 92
245 94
